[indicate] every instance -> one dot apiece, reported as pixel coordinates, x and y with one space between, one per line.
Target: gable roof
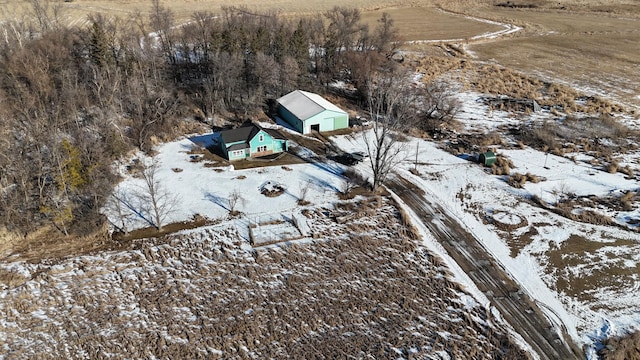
246 133
304 104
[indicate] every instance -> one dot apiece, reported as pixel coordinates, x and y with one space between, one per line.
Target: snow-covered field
583 275
587 275
359 288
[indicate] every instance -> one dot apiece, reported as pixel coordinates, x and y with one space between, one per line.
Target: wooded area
76 99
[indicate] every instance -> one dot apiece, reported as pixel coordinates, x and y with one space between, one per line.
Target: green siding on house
255 142
251 141
237 154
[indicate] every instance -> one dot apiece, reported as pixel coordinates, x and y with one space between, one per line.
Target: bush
502 166
518 180
355 177
612 168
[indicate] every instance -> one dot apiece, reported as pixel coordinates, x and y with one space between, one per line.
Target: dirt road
516 307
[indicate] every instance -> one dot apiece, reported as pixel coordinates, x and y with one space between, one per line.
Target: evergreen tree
98 46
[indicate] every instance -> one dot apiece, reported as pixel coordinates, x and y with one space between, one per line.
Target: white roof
304 104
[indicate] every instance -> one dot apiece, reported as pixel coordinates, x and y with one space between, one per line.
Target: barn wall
287 116
328 121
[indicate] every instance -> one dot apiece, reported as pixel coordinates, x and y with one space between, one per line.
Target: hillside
296 257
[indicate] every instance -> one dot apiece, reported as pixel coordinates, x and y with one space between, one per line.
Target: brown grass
359 290
48 242
566 47
585 253
518 180
502 166
76 11
612 168
622 348
286 159
427 23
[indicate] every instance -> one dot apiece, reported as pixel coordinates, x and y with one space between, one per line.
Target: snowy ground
358 288
587 275
584 275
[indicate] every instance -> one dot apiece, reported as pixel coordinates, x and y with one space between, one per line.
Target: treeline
75 99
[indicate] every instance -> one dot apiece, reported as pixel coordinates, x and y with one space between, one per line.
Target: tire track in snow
506 30
517 308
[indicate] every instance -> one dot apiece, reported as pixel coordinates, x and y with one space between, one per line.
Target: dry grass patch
432 67
565 48
502 166
75 12
364 289
602 267
622 348
600 136
283 160
518 180
516 244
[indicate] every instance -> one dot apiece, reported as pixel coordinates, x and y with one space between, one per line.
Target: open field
597 53
428 23
77 10
208 294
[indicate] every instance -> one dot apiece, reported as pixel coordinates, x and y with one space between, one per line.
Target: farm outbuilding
251 141
308 112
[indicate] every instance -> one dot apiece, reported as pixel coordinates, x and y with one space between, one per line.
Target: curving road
517 308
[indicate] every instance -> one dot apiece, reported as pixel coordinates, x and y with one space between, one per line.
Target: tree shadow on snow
218 200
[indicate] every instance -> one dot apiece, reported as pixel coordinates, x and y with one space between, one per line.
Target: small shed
308 112
487 159
251 141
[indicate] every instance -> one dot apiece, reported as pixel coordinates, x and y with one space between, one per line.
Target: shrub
612 168
518 180
541 137
502 166
491 138
355 177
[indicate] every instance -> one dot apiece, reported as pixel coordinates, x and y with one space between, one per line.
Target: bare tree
304 191
47 13
392 100
235 199
157 197
439 105
118 202
385 38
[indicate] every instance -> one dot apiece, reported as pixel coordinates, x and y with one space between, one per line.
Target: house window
261 138
261 148
237 153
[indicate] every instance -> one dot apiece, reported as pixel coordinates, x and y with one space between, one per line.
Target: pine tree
98 46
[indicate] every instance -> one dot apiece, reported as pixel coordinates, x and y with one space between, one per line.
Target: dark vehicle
358 156
350 159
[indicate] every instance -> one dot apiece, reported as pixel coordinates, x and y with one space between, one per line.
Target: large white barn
308 112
